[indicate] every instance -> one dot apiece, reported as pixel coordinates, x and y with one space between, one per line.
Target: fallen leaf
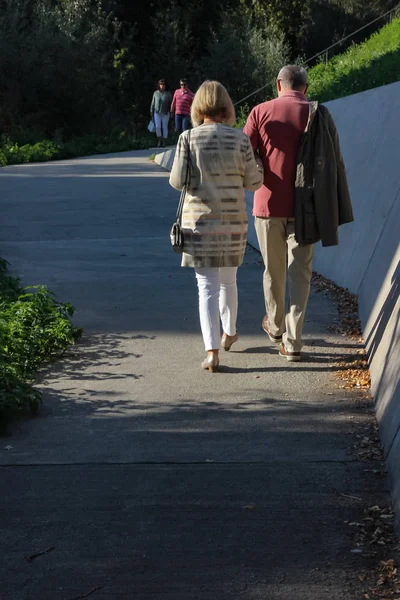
33 556
352 497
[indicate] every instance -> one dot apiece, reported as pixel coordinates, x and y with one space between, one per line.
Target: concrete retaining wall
165 159
367 260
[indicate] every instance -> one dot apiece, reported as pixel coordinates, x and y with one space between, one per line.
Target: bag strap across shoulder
185 185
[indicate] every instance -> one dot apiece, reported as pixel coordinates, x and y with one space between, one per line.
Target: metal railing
326 50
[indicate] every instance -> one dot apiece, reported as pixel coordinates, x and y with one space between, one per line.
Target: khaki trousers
284 259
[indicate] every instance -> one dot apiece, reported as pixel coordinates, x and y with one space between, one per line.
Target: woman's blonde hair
212 100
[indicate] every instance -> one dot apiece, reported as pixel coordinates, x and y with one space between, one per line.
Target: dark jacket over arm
345 208
322 199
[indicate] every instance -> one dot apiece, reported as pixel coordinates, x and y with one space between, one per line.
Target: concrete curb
166 159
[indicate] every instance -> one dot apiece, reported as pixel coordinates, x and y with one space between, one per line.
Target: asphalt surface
144 477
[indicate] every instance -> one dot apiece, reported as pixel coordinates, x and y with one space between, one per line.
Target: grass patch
34 329
364 66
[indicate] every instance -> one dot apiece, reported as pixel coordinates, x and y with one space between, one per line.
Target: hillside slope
371 64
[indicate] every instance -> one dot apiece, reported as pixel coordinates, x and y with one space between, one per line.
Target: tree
290 17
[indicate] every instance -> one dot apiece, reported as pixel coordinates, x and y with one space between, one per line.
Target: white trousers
161 123
218 299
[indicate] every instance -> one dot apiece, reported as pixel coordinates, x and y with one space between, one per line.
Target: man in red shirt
275 129
181 104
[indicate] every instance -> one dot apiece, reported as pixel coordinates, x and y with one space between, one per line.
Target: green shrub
371 64
10 287
241 116
15 154
34 328
16 396
12 153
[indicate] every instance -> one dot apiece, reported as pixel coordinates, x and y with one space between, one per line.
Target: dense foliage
364 66
34 328
76 68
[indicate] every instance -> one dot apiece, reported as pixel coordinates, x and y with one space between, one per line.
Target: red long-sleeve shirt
275 129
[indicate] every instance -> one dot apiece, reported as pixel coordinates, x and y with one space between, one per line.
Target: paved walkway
145 477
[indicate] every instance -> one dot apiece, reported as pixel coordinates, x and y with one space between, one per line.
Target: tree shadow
94 357
183 481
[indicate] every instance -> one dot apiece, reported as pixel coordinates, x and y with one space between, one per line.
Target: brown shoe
290 356
276 339
228 340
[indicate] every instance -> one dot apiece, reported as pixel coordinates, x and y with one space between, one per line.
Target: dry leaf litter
354 370
374 534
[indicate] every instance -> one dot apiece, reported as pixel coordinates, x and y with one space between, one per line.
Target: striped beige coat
214 218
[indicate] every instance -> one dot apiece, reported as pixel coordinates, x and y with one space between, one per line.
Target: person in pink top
181 105
275 129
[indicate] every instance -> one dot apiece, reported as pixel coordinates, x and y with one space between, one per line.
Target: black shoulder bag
176 234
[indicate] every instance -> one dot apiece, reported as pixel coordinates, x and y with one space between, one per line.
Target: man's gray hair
293 77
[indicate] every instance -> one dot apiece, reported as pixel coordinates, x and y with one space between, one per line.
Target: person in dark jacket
303 199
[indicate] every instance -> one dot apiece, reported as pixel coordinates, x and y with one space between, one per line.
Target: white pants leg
228 299
164 124
161 123
157 123
218 298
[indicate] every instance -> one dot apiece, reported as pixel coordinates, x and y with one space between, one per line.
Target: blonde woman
214 219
